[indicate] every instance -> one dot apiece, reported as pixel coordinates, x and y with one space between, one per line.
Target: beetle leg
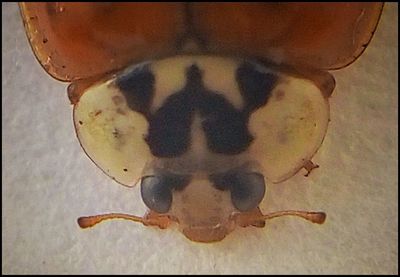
155 219
258 223
251 218
309 166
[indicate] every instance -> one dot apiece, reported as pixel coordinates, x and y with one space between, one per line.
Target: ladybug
203 104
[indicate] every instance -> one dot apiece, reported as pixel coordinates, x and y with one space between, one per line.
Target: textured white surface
48 182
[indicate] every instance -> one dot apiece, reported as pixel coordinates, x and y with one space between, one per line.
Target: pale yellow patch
290 128
112 134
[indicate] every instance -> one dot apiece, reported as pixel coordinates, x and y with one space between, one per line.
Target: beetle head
203 202
207 205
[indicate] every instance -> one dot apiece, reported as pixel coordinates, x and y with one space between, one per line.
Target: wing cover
79 40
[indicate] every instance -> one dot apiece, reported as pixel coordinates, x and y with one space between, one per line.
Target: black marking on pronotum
137 85
255 86
169 127
225 126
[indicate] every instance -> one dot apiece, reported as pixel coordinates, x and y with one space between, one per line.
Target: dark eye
157 190
247 188
247 191
155 194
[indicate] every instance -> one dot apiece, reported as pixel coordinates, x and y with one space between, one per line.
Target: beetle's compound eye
247 191
247 188
157 190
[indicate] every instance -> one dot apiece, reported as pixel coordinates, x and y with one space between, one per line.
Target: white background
47 182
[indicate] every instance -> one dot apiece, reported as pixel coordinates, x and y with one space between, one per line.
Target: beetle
203 104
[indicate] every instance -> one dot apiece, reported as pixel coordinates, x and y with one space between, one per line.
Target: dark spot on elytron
125 169
255 86
45 40
80 122
137 86
63 66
